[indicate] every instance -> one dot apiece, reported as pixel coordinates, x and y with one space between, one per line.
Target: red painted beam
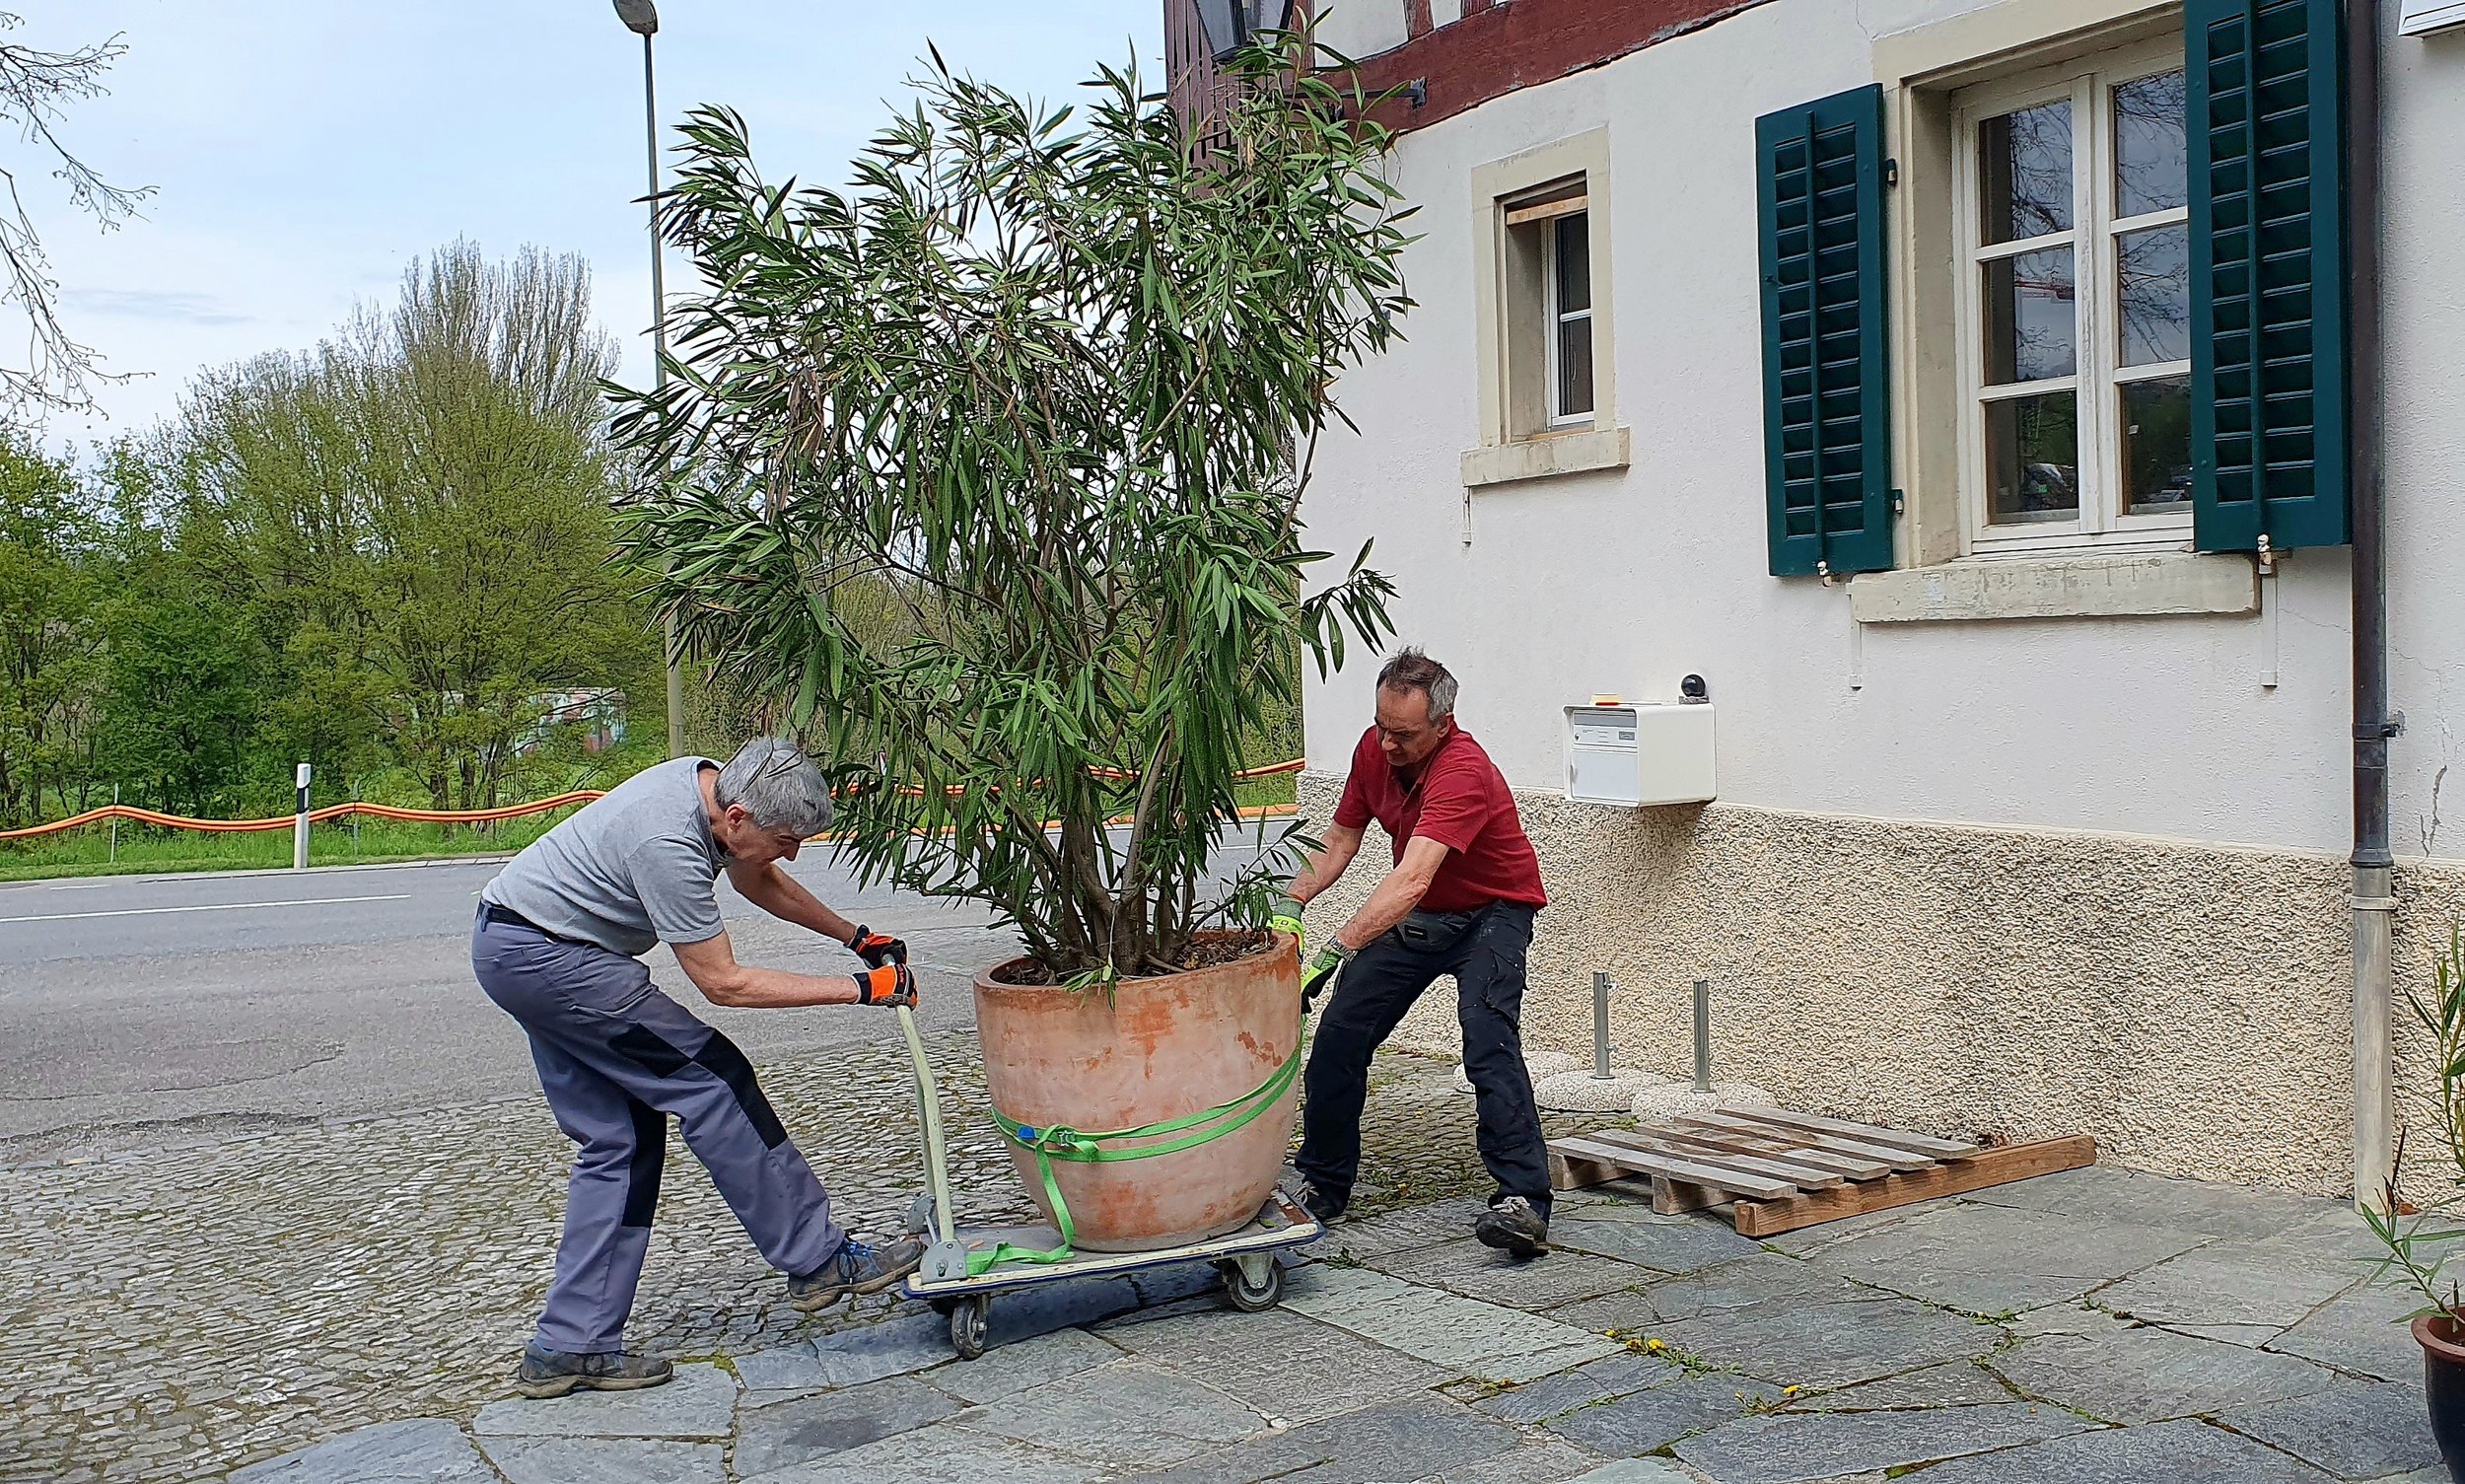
1497 48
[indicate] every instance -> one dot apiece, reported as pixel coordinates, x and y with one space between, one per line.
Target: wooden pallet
1777 1171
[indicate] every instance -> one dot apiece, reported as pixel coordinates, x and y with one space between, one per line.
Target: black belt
506 917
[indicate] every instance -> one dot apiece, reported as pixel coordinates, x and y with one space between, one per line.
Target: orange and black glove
889 984
877 949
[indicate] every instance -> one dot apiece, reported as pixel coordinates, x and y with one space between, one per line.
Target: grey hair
1412 669
778 785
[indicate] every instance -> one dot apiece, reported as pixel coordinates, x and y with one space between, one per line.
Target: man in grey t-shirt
557 947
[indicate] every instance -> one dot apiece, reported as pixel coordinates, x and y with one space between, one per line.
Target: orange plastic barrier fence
333 812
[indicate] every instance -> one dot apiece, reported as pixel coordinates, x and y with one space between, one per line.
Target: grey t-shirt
627 872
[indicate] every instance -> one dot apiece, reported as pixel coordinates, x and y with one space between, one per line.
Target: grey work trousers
616 1059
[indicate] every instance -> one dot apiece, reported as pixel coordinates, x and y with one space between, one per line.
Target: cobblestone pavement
339 1307
168 1315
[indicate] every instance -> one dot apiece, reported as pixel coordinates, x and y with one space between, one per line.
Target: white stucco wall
1625 580
1361 28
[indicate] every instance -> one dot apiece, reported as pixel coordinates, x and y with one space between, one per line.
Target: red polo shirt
1459 799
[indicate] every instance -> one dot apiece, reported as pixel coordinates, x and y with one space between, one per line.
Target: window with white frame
1570 299
1552 344
2076 306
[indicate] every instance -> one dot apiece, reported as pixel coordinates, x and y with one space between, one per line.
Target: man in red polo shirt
1460 901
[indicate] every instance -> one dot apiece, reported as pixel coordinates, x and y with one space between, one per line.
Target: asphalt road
137 1012
140 1010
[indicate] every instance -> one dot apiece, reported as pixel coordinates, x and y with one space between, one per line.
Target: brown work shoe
857 1268
553 1373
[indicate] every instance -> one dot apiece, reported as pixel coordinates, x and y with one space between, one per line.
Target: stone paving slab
2140 1376
1479 1272
944 1453
851 1357
701 1402
605 1461
2354 1430
815 1427
2248 1336
2168 1452
2000 1259
426 1452
1131 1413
1634 1471
1445 1329
1631 1232
2363 1329
2229 1285
1364 1238
1600 1380
1403 1440
1648 1421
1009 1369
1790 1447
1534 1460
1791 1343
2113 1193
1287 1367
1954 1384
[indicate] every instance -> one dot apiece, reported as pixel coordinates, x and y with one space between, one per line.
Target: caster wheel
1253 1298
971 1319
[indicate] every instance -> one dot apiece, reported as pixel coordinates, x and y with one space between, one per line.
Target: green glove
1286 922
1319 975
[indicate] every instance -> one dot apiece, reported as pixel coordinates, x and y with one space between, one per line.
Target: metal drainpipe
2374 904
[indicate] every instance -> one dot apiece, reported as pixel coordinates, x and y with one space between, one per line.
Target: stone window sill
2148 585
1541 457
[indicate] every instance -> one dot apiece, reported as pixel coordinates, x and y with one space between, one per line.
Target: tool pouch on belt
1437 932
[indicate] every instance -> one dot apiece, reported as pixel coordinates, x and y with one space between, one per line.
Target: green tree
1046 385
416 518
51 639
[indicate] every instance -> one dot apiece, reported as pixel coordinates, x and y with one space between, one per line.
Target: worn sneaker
1514 1225
859 1269
1328 1208
553 1373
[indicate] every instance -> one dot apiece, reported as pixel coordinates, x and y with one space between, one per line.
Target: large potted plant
990 467
2420 1242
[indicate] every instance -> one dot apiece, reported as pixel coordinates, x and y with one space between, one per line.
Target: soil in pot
1154 1051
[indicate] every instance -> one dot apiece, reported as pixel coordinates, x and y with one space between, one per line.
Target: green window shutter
1826 385
2267 351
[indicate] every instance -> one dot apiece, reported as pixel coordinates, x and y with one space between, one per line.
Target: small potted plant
993 463
2421 1240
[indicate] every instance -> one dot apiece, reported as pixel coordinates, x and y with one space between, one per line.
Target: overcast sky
304 150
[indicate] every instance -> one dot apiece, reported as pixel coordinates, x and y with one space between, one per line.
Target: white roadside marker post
300 823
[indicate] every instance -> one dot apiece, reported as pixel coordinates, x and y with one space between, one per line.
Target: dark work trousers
616 1059
1484 951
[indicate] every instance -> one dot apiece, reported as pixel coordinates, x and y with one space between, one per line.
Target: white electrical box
1640 755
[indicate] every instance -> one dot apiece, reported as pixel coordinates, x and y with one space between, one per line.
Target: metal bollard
1600 1026
1703 1036
300 823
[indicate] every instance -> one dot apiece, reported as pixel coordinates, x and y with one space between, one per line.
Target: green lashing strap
1057 1142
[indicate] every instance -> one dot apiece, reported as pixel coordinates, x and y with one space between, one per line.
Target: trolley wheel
1253 1298
971 1319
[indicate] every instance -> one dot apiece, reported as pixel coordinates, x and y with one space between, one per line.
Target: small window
1552 341
1569 299
2077 306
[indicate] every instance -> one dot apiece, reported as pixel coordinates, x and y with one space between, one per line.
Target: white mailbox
1640 755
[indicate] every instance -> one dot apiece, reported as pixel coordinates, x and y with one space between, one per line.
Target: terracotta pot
2442 1338
1158 1049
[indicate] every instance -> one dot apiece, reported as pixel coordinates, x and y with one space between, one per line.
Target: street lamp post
641 18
